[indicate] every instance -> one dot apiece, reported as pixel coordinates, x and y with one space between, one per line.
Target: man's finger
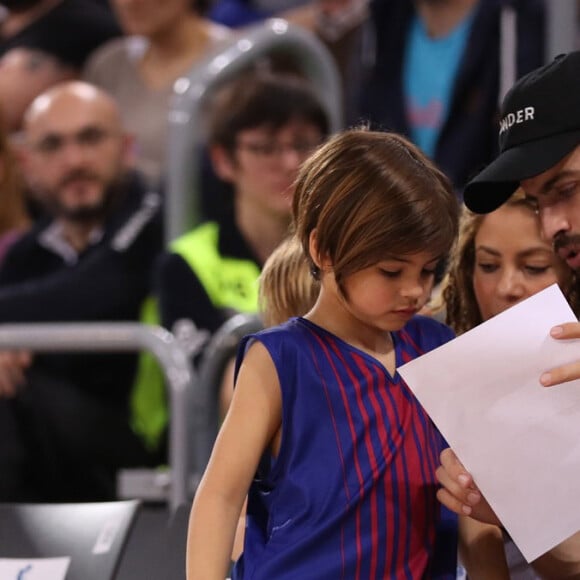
561 374
566 330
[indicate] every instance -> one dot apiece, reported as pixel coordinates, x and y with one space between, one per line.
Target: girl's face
386 295
512 261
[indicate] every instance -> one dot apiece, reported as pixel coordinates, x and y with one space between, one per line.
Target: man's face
265 164
556 193
75 153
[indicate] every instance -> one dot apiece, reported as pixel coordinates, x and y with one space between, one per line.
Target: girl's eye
487 268
389 273
537 270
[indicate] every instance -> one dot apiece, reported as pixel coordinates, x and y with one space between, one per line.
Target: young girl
286 289
336 455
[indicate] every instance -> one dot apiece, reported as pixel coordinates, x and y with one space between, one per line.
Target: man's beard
82 214
569 243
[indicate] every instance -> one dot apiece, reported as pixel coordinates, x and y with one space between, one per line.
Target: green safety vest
229 282
148 399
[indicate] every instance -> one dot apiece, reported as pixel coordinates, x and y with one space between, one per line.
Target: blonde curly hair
286 285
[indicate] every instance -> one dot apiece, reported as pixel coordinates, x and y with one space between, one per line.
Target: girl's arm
481 550
252 421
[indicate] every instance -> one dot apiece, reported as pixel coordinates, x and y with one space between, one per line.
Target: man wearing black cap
539 139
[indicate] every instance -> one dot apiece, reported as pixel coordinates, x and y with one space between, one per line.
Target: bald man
64 419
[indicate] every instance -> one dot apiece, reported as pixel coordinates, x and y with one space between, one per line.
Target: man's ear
222 162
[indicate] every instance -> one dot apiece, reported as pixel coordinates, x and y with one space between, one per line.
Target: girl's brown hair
369 196
457 294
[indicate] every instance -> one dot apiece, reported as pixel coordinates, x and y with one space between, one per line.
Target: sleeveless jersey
351 494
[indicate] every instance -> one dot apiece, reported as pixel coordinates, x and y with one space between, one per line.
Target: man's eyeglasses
89 137
273 149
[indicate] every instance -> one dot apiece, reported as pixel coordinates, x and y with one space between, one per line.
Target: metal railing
182 207
122 337
205 420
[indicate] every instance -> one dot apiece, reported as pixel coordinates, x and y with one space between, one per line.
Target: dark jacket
109 282
70 32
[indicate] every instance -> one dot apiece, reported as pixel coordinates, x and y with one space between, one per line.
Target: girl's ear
321 262
313 248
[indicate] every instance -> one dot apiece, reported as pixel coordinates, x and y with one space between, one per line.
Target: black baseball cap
539 126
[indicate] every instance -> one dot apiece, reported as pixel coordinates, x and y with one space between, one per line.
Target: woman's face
512 261
150 17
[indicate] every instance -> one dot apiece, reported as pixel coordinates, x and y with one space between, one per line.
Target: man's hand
459 492
567 372
13 365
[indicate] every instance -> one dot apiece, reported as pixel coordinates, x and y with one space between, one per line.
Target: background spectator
43 42
163 41
436 74
64 419
261 128
339 24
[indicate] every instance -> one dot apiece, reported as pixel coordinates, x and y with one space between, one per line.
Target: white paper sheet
33 568
520 440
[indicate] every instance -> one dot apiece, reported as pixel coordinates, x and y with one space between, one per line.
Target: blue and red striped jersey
351 493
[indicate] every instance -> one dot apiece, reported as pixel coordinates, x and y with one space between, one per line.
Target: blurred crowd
86 89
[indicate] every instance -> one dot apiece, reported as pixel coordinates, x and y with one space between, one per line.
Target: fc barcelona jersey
351 494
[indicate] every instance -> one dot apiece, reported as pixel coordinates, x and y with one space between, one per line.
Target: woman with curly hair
499 259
